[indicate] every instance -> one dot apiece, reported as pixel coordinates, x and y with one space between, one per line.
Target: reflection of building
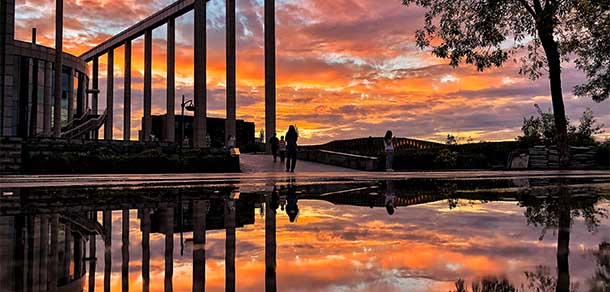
216 129
215 219
27 84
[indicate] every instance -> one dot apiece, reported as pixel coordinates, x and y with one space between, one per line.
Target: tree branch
537 6
528 8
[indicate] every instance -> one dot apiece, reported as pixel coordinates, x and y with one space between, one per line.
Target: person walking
292 136
274 146
282 149
388 146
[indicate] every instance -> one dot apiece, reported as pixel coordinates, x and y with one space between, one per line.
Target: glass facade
28 114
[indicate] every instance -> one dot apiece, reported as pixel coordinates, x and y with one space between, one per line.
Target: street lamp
189 106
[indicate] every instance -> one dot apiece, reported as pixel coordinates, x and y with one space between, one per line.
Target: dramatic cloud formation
346 68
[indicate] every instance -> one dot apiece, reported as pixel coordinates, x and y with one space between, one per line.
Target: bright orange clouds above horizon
345 69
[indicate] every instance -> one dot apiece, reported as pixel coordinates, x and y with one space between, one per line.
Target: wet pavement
311 231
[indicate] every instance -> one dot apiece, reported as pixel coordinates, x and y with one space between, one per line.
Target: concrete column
81 96
200 120
7 63
94 98
147 119
169 249
231 68
199 217
59 27
34 98
46 110
52 267
109 96
170 121
107 223
269 70
125 251
230 216
71 104
145 227
270 245
127 95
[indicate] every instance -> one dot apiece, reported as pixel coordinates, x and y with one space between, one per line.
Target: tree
539 130
477 31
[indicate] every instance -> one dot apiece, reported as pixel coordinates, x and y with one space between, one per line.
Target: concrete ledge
348 160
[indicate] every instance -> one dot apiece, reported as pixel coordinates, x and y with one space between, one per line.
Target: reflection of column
19 253
270 247
108 127
147 119
44 252
230 246
199 124
59 27
125 251
231 106
169 248
67 255
269 69
127 93
145 227
78 255
563 241
170 119
29 283
46 109
199 217
52 272
107 222
92 255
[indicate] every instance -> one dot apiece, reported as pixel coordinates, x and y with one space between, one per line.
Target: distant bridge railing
372 146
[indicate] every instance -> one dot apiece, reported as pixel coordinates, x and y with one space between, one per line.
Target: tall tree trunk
551 49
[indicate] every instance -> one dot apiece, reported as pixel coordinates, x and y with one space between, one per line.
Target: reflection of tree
544 212
542 280
600 282
487 284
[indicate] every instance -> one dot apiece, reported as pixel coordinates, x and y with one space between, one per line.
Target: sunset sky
346 68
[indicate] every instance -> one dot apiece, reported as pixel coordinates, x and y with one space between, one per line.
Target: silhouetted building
216 130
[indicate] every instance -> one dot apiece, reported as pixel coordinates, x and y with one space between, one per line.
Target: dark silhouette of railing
373 146
83 125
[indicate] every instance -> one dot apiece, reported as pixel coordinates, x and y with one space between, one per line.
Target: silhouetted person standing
291 148
388 146
275 143
282 149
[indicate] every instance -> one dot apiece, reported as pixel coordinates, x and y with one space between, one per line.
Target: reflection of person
389 197
292 207
274 146
230 142
282 149
389 150
291 148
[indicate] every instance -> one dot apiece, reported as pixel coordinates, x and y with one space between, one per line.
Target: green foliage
485 33
540 130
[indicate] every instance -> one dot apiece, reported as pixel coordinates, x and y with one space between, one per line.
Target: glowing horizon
345 69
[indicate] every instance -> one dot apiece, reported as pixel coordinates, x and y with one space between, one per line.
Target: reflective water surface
498 234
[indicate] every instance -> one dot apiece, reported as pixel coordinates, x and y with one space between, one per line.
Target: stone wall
341 159
61 156
10 155
543 157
